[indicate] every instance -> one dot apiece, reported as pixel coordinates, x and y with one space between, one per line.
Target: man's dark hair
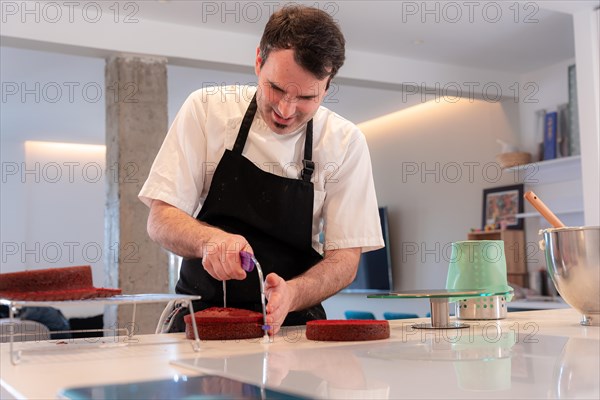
316 39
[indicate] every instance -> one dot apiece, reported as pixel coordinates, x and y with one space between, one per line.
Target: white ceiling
538 38
508 36
498 35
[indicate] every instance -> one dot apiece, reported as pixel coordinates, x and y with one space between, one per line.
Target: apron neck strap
240 141
308 166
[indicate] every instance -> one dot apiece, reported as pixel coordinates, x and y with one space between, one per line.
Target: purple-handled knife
248 261
248 264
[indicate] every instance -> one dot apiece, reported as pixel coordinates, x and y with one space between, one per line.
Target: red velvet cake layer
347 330
47 279
52 284
218 323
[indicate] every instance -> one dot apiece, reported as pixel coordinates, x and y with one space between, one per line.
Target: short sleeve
176 176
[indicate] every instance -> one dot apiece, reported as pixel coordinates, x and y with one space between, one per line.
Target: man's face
288 96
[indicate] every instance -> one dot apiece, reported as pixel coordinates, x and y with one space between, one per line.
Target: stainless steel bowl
573 262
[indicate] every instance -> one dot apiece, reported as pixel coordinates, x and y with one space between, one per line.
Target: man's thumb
272 279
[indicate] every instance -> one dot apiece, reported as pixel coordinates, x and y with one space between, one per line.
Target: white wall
431 164
52 96
52 201
183 81
13 198
65 207
587 32
52 204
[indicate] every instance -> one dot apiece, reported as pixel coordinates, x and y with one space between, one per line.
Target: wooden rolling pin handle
543 209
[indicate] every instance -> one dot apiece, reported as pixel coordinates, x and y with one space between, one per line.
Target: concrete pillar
136 124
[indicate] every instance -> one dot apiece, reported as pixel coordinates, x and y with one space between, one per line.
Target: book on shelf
540 118
563 132
574 148
550 131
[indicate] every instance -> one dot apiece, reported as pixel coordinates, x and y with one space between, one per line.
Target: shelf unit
549 171
514 250
537 214
543 176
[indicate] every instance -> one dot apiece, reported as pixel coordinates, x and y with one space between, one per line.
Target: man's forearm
336 271
176 231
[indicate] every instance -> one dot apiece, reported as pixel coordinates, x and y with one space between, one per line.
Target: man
287 170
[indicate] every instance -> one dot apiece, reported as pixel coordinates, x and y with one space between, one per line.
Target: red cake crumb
52 284
347 330
218 323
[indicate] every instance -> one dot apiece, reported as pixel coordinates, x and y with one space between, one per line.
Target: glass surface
501 363
434 293
118 299
180 387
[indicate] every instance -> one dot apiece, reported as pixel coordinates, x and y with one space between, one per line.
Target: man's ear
258 62
327 85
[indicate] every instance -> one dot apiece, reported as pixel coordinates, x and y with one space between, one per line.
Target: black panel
375 267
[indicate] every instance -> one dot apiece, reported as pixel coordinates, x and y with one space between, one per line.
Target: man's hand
280 296
221 256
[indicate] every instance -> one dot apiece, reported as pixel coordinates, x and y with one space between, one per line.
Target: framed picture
500 206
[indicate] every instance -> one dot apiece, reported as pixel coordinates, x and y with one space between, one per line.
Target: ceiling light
54 147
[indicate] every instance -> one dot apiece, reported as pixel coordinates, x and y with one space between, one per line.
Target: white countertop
532 354
536 304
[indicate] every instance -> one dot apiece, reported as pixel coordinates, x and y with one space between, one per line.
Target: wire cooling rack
133 299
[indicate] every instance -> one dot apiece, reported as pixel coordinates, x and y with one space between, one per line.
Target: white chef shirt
345 204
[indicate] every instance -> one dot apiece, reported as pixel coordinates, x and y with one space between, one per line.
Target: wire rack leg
196 343
15 356
131 329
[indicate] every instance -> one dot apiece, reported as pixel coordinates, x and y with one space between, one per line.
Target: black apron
275 216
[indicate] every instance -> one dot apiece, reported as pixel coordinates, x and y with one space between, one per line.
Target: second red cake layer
347 330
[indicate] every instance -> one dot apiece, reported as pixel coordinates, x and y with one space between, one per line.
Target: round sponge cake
347 330
219 323
68 283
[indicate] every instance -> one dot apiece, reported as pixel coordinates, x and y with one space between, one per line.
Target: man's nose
286 107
